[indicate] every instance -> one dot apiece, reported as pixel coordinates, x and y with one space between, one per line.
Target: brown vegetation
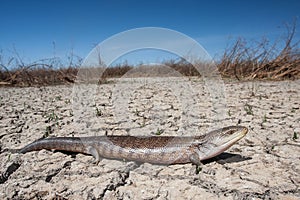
241 61
262 61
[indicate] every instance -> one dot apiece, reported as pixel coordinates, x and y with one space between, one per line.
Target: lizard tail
72 144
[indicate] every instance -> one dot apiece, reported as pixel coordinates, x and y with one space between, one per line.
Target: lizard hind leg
93 151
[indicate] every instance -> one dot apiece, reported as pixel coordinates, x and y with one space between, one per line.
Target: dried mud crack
221 192
263 165
10 169
121 181
56 171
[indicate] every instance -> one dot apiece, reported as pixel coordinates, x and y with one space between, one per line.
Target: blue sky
33 27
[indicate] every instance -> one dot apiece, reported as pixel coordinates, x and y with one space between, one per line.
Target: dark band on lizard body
157 149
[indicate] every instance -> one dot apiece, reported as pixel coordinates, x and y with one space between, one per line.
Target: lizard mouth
225 140
232 136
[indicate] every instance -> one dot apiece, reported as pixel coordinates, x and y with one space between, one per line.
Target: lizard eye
230 132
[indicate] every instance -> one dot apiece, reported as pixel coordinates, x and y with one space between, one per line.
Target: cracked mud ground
263 165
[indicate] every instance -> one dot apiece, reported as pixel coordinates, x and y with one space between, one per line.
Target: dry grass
243 61
260 60
42 74
33 77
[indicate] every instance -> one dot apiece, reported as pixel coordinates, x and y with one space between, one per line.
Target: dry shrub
183 67
42 72
259 60
262 61
40 76
116 71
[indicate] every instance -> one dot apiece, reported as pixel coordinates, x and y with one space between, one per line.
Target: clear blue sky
32 27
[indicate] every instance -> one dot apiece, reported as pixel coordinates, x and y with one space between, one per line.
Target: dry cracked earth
263 165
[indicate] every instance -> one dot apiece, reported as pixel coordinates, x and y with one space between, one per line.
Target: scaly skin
157 149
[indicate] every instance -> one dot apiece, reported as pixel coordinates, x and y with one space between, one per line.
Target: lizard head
217 141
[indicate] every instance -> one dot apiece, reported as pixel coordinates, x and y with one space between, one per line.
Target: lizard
154 149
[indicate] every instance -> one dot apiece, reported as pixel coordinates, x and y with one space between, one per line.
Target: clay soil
263 165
